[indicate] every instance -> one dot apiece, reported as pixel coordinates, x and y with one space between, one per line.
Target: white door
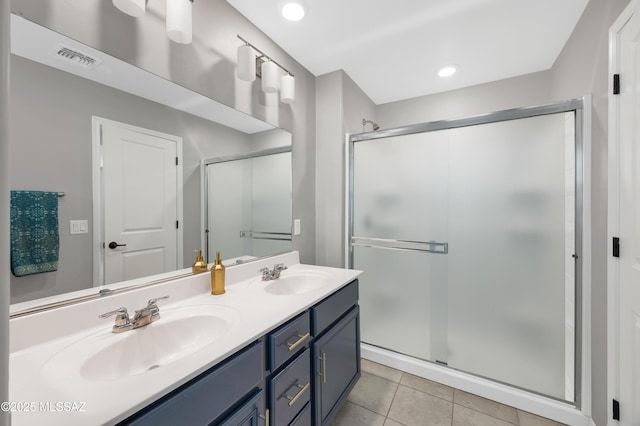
626 218
140 175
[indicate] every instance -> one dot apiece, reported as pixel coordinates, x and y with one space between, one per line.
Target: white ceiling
393 49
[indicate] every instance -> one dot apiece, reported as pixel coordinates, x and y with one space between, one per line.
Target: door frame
97 123
613 212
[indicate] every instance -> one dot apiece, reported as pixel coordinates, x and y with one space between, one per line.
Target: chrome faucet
142 317
273 274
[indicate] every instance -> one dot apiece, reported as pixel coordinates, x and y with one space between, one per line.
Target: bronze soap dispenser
200 265
217 276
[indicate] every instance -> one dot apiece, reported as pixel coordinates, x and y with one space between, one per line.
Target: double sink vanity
279 352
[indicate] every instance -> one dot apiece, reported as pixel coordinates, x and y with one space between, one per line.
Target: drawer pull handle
293 399
293 346
324 367
265 417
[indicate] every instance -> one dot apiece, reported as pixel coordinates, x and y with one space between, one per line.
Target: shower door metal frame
576 105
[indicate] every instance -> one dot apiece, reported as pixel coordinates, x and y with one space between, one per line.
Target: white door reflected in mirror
139 174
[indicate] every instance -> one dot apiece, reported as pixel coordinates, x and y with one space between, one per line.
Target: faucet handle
122 312
279 267
152 308
152 302
122 319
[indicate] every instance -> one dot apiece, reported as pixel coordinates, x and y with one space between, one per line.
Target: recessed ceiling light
293 11
447 71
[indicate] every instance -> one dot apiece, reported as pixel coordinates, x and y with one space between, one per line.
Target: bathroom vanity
280 352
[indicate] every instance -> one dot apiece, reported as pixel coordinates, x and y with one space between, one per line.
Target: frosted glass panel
272 193
396 298
400 193
229 207
507 252
400 187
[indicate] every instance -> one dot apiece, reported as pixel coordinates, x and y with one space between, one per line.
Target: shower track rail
432 246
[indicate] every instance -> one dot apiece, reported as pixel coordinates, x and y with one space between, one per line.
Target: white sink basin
295 282
106 356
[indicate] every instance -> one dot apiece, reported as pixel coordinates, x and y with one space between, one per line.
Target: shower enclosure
468 233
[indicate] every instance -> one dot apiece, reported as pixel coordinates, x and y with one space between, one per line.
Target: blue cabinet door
249 414
336 366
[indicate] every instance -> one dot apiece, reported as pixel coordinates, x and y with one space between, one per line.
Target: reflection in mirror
53 104
248 204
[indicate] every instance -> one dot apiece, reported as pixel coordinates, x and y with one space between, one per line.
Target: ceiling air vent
81 59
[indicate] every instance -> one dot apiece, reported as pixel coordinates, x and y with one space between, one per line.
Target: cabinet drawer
290 390
205 398
288 340
333 307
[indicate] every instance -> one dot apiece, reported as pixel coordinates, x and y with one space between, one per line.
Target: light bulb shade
135 8
246 63
179 21
269 77
287 89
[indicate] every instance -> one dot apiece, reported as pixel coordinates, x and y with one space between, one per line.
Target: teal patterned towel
35 241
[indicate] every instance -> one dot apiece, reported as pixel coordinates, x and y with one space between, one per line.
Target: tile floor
388 397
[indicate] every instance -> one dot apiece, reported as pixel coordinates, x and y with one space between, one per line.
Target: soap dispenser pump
200 265
217 276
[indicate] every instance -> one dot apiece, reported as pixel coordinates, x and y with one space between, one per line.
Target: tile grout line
393 399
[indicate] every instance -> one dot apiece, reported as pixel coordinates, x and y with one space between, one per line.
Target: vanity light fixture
251 65
179 16
293 11
447 71
135 8
179 20
269 76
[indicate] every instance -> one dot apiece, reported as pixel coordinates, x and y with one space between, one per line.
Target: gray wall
581 68
341 105
530 89
4 209
50 133
206 66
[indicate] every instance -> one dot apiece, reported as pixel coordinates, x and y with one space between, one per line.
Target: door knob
113 245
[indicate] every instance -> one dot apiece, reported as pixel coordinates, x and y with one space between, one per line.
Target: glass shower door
399 241
466 237
507 199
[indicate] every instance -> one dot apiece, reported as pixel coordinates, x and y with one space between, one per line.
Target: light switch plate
296 227
78 227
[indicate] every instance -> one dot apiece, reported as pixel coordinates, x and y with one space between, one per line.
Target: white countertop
62 396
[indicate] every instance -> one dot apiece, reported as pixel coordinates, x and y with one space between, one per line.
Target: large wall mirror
68 102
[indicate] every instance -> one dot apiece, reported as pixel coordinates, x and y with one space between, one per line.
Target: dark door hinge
177 224
616 247
616 410
176 161
616 84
